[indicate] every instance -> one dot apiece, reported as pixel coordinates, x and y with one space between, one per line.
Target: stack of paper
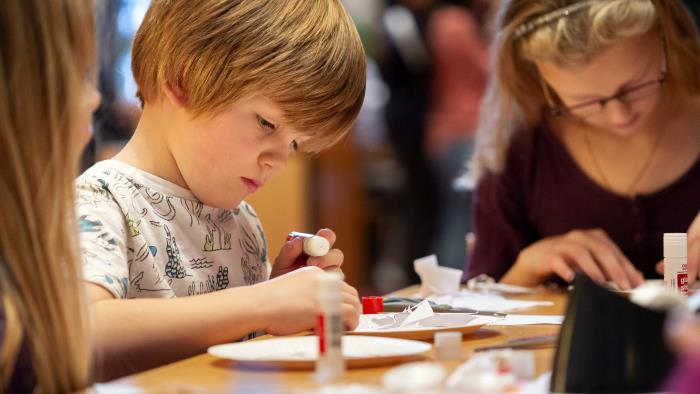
486 302
421 315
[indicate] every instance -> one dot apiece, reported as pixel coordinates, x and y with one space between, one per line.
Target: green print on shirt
216 238
93 191
133 226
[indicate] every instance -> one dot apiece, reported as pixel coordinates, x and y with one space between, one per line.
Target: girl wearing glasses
589 141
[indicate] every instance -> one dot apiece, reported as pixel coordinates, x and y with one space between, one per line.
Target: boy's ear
175 94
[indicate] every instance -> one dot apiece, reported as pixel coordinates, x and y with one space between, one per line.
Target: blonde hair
515 99
305 55
46 48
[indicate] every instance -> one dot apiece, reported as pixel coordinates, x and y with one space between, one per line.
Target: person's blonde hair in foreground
46 54
588 144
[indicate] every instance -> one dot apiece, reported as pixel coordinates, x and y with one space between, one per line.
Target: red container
371 305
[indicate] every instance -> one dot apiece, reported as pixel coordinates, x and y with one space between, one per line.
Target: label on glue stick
676 276
328 331
321 332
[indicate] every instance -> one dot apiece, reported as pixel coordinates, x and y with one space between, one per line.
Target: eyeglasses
626 96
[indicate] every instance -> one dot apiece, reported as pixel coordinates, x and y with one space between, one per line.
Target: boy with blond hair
175 260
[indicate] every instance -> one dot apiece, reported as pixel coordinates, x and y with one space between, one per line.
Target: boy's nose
274 159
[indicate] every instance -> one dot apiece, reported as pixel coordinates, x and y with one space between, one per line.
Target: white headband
549 17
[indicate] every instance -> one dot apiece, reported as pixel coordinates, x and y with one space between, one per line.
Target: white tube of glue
676 262
330 364
314 245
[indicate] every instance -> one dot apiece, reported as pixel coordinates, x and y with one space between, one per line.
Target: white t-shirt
144 237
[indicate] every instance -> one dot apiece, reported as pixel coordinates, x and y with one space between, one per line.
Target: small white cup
448 345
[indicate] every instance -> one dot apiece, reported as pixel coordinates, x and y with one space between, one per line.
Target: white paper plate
463 322
301 352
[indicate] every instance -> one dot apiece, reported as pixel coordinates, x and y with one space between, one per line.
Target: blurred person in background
435 66
405 68
459 72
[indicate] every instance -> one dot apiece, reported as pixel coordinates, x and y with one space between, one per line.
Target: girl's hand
289 258
289 303
589 251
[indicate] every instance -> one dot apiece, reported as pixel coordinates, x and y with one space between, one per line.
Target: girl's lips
251 184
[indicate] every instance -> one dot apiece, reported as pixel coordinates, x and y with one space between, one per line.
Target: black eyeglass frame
561 109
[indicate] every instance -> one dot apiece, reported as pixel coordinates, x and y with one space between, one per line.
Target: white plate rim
222 349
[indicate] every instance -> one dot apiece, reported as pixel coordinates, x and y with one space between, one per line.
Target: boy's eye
294 145
265 124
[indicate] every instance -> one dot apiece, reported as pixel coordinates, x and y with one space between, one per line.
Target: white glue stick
314 245
676 262
330 364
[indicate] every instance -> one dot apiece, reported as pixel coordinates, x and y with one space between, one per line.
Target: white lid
448 338
448 345
675 245
316 246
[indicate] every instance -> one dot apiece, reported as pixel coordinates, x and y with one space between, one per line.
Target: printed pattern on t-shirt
144 237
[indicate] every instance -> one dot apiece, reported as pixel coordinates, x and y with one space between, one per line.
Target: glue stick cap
675 245
372 304
316 246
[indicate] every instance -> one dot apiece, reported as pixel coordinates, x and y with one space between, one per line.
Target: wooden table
205 373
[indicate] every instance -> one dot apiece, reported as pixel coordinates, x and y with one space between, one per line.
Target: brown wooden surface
205 373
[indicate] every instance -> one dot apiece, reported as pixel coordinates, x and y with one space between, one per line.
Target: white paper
421 317
483 373
441 320
540 385
505 288
419 312
523 320
435 279
487 302
387 321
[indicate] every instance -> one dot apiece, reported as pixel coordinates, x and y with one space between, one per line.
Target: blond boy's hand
289 258
290 304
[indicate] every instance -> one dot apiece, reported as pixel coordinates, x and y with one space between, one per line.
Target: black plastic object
608 344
